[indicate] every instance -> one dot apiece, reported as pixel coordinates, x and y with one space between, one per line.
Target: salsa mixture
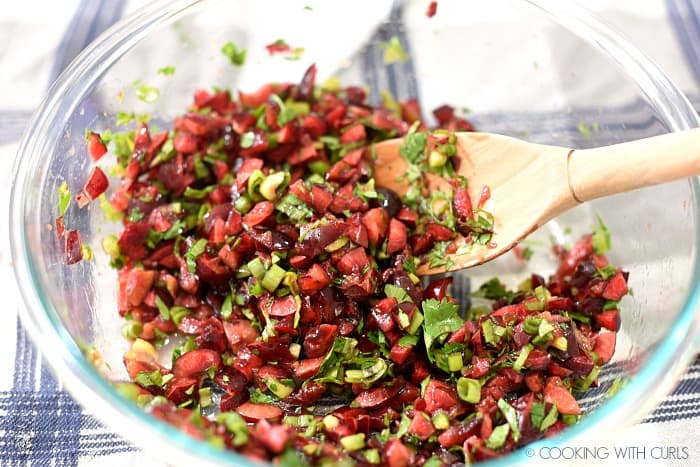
256 245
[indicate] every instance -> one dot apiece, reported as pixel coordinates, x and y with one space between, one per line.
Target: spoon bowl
524 185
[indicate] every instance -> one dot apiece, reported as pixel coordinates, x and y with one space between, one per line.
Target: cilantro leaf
412 147
259 397
367 191
440 317
492 289
410 265
195 251
236 56
607 272
601 237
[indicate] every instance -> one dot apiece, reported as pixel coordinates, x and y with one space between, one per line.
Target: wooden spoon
531 183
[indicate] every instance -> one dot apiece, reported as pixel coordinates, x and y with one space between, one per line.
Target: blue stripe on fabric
398 78
91 19
12 125
684 38
75 37
407 86
694 27
43 424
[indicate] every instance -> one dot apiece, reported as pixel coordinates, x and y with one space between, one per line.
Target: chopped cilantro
412 147
410 265
236 425
125 117
438 255
145 93
294 208
260 397
601 237
235 56
152 378
511 417
135 215
492 289
394 51
287 113
195 251
584 130
167 70
63 198
607 272
440 317
366 191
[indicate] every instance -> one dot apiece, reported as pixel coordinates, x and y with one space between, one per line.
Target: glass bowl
532 69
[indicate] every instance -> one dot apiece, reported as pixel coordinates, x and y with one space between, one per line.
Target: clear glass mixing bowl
533 69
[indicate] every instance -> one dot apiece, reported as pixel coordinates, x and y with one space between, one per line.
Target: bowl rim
102 400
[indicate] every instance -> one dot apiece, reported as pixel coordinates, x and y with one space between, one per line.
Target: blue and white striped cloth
40 424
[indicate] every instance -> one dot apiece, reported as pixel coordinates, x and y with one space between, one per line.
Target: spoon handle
594 173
